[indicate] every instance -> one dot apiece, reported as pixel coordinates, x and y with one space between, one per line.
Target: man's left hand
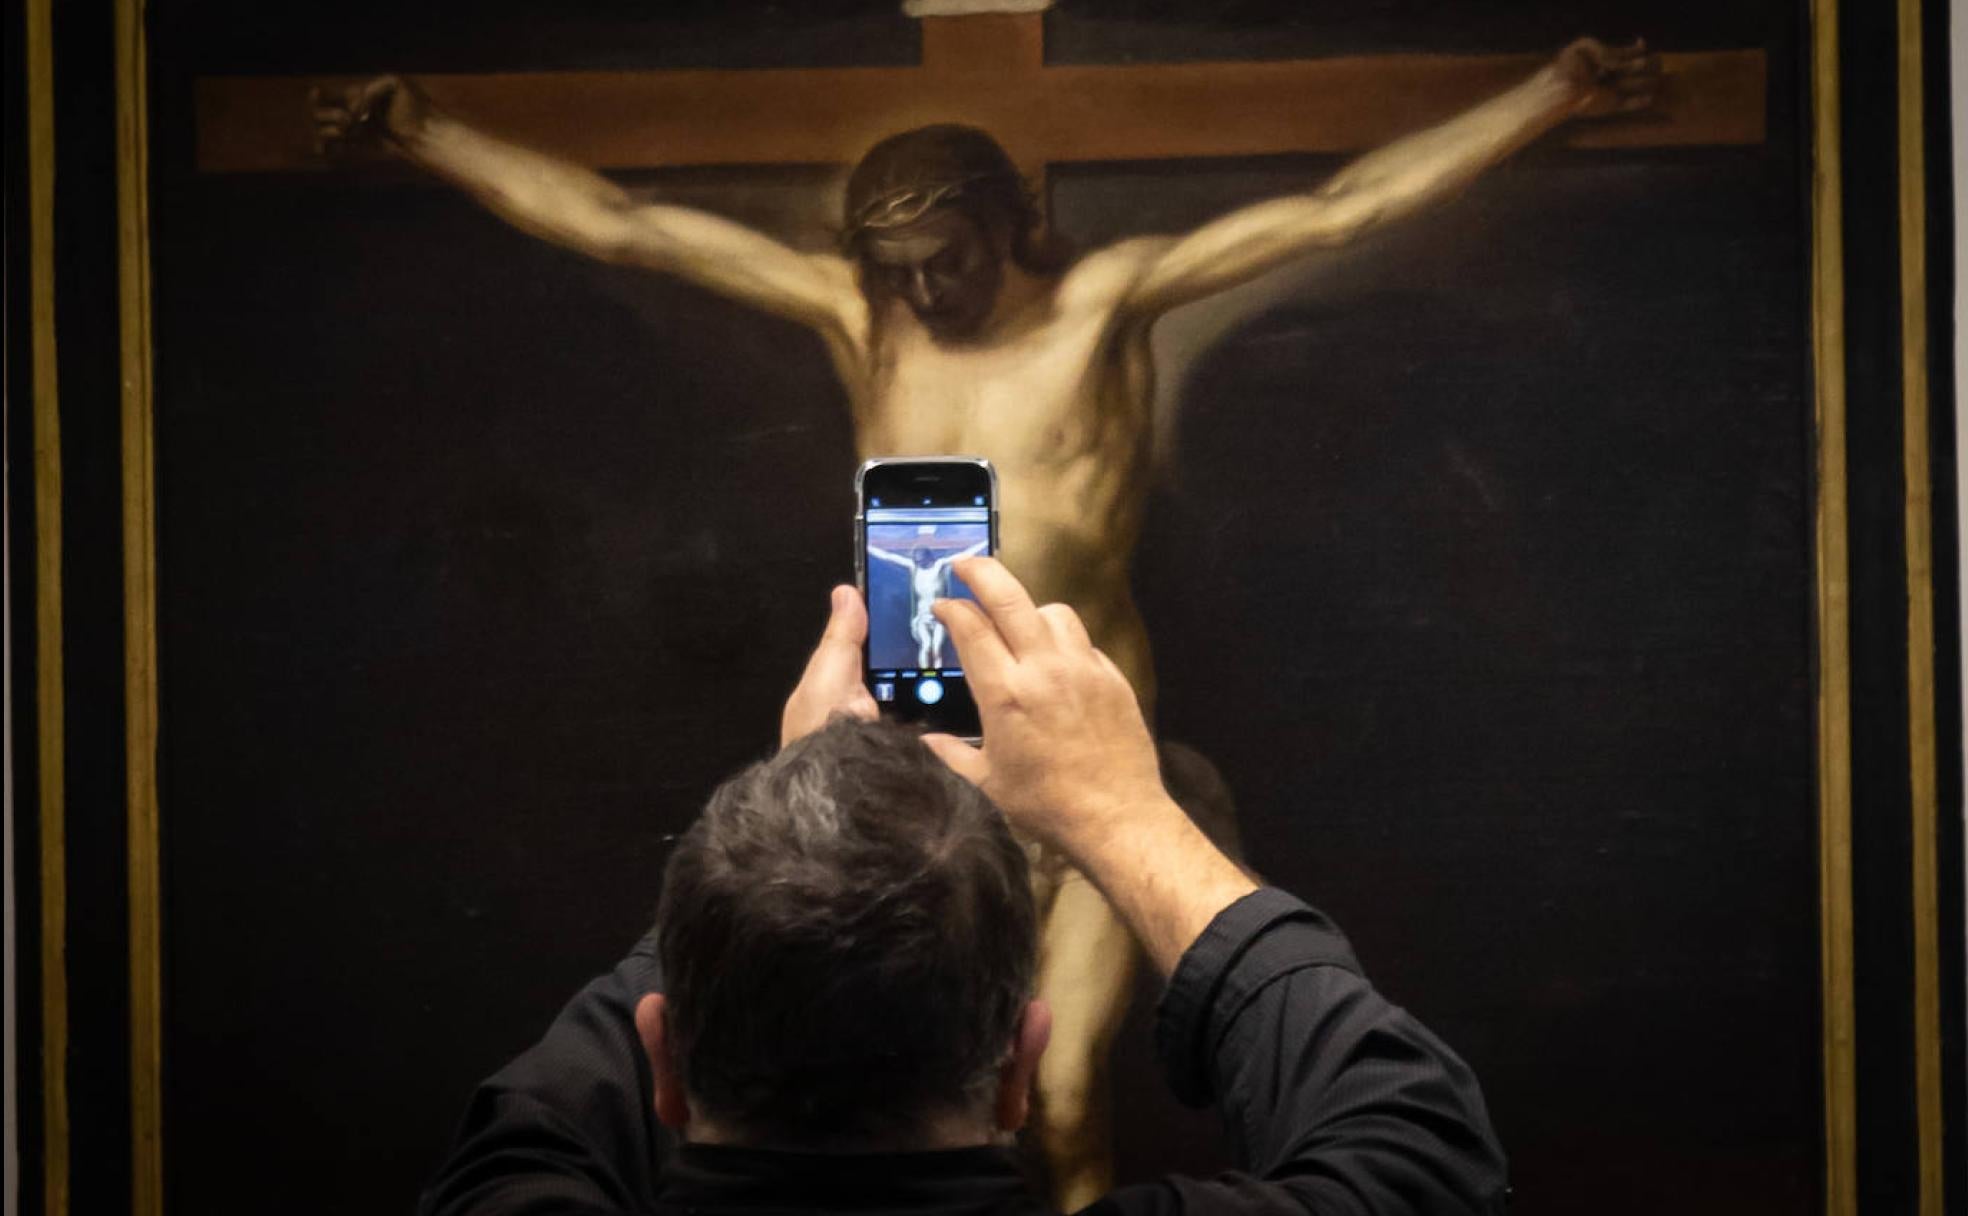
832 681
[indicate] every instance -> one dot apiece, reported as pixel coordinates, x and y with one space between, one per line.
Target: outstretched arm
1586 79
575 207
944 563
897 559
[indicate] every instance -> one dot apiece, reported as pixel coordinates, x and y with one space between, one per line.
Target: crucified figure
957 323
929 581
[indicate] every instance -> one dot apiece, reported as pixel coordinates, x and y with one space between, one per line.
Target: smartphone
915 518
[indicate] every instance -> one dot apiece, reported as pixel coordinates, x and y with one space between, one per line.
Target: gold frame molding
49 711
1834 621
1922 746
140 612
1832 600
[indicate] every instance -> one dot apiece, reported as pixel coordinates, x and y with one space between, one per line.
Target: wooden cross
988 70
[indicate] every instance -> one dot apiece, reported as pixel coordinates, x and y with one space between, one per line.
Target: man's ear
1021 1070
672 1109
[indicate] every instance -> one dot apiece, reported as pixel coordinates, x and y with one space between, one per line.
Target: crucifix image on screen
909 569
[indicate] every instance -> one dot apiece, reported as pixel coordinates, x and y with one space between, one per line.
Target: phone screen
917 522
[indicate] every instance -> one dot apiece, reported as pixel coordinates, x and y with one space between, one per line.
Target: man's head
848 942
933 216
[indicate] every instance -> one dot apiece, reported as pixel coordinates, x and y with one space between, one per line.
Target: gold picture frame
1834 704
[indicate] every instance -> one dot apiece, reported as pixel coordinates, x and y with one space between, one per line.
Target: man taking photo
834 1012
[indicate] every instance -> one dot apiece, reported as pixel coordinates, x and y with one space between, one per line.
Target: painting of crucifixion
661 314
957 324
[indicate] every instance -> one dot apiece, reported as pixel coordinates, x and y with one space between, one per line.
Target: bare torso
1057 398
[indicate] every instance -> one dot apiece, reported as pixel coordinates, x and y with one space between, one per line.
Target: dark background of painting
1482 571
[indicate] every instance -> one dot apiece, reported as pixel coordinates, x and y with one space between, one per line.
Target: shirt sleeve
569 1126
1337 1100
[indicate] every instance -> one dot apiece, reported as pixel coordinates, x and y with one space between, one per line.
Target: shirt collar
985 1178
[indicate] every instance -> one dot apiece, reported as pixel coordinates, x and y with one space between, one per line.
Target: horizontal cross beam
987 71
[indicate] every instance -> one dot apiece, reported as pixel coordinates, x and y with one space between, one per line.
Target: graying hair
848 939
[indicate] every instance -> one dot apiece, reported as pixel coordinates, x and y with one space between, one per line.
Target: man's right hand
388 110
1066 753
1069 760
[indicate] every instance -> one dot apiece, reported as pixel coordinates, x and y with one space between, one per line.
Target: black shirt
1337 1102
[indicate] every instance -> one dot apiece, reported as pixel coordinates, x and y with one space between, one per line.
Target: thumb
964 760
839 648
847 618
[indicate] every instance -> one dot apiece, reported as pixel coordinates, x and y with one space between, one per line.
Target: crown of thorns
909 204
